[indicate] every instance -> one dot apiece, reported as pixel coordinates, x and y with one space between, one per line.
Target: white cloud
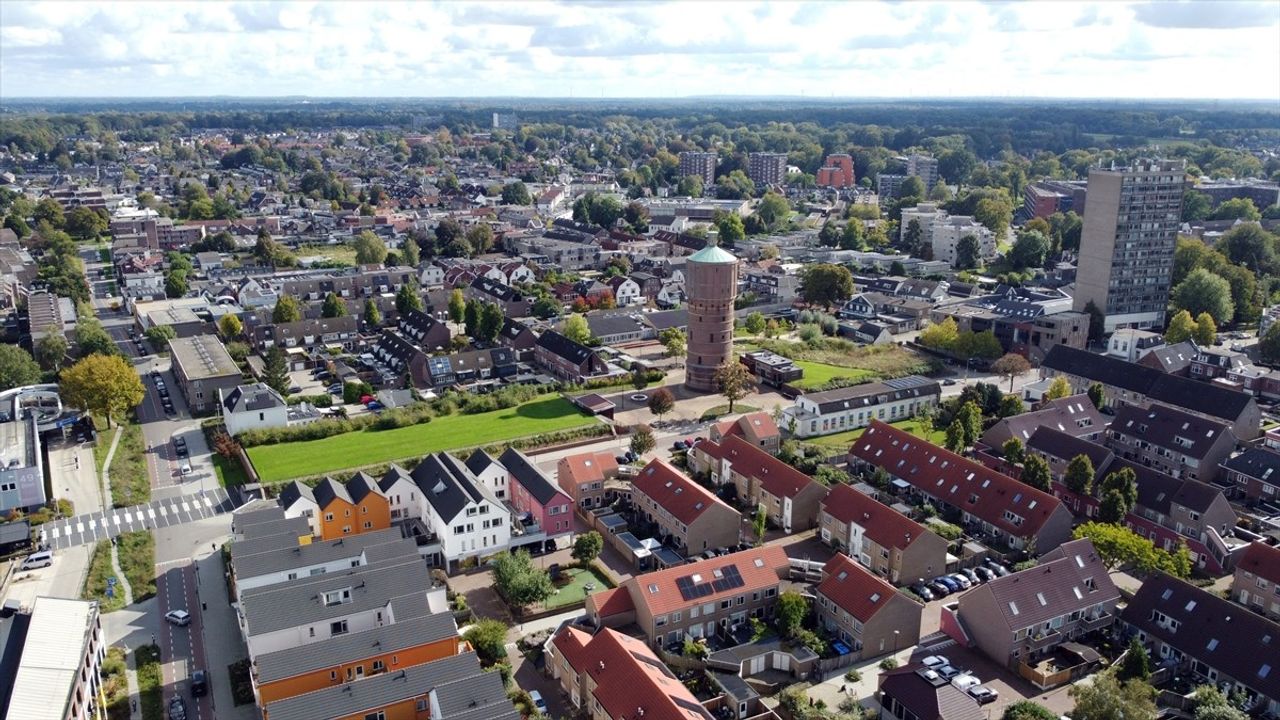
654 49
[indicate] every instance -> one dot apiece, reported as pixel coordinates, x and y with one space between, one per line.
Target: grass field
576 591
138 561
818 374
229 472
336 253
277 463
95 583
130 483
845 439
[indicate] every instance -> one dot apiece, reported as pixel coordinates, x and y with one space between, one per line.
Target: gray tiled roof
448 485
374 693
252 398
292 604
533 480
475 698
328 489
1054 587
355 646
280 553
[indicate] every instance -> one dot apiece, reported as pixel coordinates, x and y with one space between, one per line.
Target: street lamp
895 642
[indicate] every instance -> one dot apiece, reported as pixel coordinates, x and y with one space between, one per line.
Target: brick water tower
711 285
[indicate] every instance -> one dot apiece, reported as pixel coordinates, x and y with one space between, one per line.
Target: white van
44 558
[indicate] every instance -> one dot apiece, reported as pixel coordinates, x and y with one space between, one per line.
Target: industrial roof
48 668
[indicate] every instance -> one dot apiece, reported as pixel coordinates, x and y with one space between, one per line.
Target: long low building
52 661
833 411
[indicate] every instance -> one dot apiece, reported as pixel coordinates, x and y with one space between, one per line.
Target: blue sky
1162 49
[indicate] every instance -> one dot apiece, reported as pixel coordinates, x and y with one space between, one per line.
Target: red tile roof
685 499
955 479
585 467
614 601
760 567
753 426
630 681
1262 560
853 588
774 476
883 525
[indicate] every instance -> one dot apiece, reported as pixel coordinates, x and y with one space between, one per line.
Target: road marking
151 513
128 518
79 527
185 507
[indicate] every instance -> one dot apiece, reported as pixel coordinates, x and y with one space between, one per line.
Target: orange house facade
336 510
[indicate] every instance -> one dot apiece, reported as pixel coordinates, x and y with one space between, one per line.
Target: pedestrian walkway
131 675
96 526
122 582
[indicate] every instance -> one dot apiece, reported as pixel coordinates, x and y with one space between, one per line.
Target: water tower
711 285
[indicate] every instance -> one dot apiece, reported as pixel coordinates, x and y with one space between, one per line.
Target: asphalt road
95 526
182 648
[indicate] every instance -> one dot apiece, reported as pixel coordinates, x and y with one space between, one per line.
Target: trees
333 307
1013 451
661 402
51 350
673 339
370 249
372 315
1029 250
734 381
729 228
1206 331
1208 703
1010 405
1236 209
1035 472
690 186
759 521
275 370
104 384
576 329
519 581
636 215
160 335
408 298
955 437
1079 475
286 310
1196 206
1204 291
773 210
457 306
602 210
968 253
515 193
1059 388
1028 710
176 284
1106 698
230 326
791 611
480 238
826 284
1010 366
83 223
642 440
1136 663
587 547
1180 328
17 367
1118 546
1269 344
970 417
1097 395
912 235
410 252
471 319
93 339
491 319
489 639
755 323
1249 245
940 336
1118 492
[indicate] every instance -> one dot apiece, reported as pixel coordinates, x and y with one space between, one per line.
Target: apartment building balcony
1091 624
1042 641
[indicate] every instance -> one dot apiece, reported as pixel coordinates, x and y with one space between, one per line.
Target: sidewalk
222 642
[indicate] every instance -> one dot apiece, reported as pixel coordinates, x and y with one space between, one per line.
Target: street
182 648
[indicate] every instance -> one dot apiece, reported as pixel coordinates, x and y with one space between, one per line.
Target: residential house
490 473
464 515
1131 343
424 331
614 328
790 498
514 303
863 611
517 336
565 359
1021 618
610 676
537 496
1253 475
203 371
1172 359
277 554
700 599
771 368
687 515
1171 441
305 333
890 544
1199 632
339 509
1133 384
833 411
757 428
584 477
625 291
913 692
1256 583
648 283
53 651
252 407
987 502
1074 415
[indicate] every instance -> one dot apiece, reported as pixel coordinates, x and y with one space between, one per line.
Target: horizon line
638 98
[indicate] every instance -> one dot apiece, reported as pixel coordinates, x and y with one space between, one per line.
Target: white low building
833 411
252 407
463 512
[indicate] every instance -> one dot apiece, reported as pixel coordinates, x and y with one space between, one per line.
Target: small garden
574 585
137 551
241 683
130 482
115 684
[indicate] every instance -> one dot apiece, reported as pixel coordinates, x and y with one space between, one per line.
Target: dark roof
558 344
278 553
495 289
360 485
511 328
1074 415
1201 397
392 475
1174 358
529 476
1165 426
1258 463
1055 443
1262 560
295 491
606 325
1158 491
252 398
479 461
1211 629
333 652
18 531
926 700
1059 585
327 490
873 393
448 485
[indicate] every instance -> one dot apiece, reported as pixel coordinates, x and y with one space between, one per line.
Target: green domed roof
713 254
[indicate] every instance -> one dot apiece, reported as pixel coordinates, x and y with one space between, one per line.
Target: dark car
996 567
969 573
987 574
923 591
939 590
199 683
948 381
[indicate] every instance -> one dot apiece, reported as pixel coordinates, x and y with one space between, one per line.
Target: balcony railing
1091 624
1037 642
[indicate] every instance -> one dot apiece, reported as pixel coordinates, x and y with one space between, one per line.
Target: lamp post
895 644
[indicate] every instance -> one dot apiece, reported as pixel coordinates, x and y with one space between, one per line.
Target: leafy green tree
333 307
642 440
759 522
1124 484
489 639
457 306
491 319
480 238
912 237
1236 209
17 367
51 350
410 252
49 211
673 339
1035 472
515 193
755 323
955 436
1208 703
826 284
471 319
773 210
1204 291
1028 710
587 547
175 284
408 298
1010 405
1248 244
546 307
733 381
372 315
1029 250
104 384
1106 698
370 249
1010 366
1013 450
1180 328
1079 475
576 329
912 186
1269 344
636 215
1058 388
940 336
84 223
689 186
791 611
1196 206
729 228
275 370
92 338
1206 332
160 335
852 237
286 310
230 327
968 253
1097 395
518 580
1136 663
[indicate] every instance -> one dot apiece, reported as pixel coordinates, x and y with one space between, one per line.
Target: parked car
934 661
677 445
939 590
946 671
962 580
987 574
973 576
948 582
44 558
923 591
181 618
199 683
295 390
983 694
949 382
334 389
996 567
177 709
538 703
964 681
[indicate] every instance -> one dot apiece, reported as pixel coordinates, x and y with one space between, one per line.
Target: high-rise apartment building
711 282
836 172
889 185
699 163
1127 242
924 167
767 168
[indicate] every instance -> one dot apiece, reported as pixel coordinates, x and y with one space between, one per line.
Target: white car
538 703
185 469
964 681
181 618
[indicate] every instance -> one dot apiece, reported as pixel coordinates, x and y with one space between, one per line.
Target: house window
376 716
328 517
421 705
338 628
378 666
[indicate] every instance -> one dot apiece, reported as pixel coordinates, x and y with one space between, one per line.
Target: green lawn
95 583
229 472
844 439
335 253
818 374
576 591
130 482
137 552
720 410
277 463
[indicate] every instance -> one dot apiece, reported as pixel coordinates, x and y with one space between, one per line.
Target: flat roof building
58 673
203 367
21 467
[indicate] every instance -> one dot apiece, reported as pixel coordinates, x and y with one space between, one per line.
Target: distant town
769 411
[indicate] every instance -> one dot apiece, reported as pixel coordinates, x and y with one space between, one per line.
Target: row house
517 336
1170 441
462 513
514 303
1173 359
834 411
1074 415
1253 475
305 333
1021 618
490 473
1256 583
888 543
789 497
567 360
1168 511
777 283
687 515
610 676
707 598
424 331
536 497
757 428
585 477
278 554
986 502
335 510
1209 364
1200 633
1126 383
863 611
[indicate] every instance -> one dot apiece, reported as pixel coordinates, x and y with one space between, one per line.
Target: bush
853 676
321 400
888 664
489 638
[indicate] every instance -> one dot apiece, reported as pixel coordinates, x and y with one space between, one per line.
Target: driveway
483 600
